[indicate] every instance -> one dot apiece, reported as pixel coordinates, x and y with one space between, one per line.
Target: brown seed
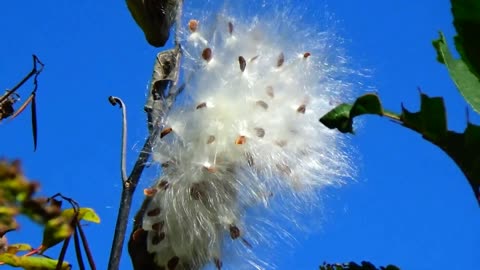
262 104
218 263
242 62
207 54
250 161
158 226
284 169
241 140
210 169
195 191
260 132
306 55
202 105
157 238
137 234
173 262
302 109
193 25
163 184
230 28
154 212
149 192
210 139
234 232
280 60
281 143
270 92
165 132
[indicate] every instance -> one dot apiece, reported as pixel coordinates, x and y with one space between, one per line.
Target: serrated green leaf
431 123
87 214
467 83
466 19
31 263
341 116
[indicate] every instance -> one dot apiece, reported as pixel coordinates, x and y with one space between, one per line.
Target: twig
130 184
123 167
34 71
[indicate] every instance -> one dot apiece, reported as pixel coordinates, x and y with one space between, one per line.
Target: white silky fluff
240 139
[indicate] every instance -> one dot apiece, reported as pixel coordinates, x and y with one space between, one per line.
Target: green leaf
467 83
31 263
430 122
466 18
342 116
56 230
87 214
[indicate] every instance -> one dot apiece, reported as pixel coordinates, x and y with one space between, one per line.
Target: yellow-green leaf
15 248
56 230
31 263
87 214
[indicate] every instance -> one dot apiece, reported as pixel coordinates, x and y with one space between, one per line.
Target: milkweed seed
241 140
154 212
250 161
193 25
149 192
284 169
207 54
242 62
137 234
195 191
306 55
262 104
210 169
157 238
210 139
234 232
163 184
218 263
270 92
201 105
302 109
280 60
158 226
260 132
173 262
281 143
230 28
165 132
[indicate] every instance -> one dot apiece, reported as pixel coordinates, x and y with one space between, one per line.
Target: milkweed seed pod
245 136
155 17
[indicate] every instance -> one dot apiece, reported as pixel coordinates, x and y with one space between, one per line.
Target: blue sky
409 205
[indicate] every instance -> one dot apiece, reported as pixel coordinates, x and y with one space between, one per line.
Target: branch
165 76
